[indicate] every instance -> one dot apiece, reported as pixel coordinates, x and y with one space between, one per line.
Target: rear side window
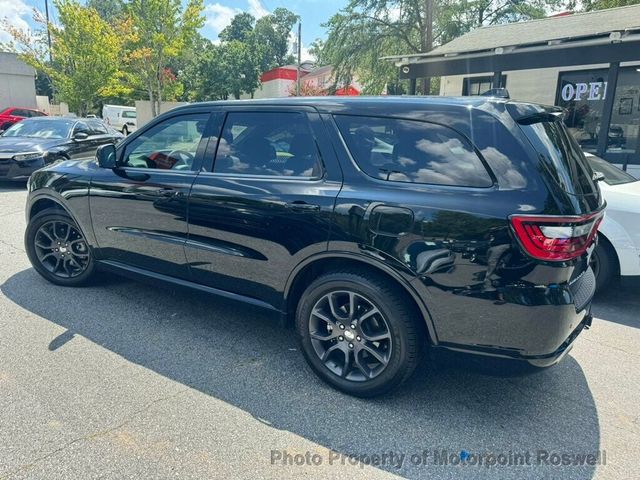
412 151
268 143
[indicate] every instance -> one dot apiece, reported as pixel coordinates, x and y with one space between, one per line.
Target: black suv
378 226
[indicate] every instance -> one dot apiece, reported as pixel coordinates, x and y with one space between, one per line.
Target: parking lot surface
130 380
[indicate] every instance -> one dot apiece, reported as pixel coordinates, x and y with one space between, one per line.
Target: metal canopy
603 50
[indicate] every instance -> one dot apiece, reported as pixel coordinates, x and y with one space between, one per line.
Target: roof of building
559 28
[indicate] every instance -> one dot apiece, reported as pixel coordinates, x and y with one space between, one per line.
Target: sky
218 14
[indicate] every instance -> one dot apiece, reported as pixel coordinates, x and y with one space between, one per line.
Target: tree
109 10
240 28
161 31
590 5
271 36
366 30
86 53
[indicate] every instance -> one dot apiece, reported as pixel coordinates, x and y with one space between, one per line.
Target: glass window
268 143
582 93
479 85
612 174
624 132
97 128
81 127
412 151
128 114
169 145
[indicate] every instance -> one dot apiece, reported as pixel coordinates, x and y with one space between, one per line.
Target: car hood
25 144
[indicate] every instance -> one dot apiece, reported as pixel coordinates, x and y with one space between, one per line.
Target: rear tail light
555 238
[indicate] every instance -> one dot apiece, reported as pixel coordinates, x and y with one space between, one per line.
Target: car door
139 208
266 203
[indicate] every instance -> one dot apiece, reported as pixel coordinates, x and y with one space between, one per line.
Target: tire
605 265
393 358
69 263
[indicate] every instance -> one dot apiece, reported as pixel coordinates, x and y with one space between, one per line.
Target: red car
12 115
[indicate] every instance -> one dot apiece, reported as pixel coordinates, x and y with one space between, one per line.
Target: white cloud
15 12
257 9
218 16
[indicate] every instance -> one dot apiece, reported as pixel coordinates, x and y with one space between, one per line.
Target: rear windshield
612 174
561 156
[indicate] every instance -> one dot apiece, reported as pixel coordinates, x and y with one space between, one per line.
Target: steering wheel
185 159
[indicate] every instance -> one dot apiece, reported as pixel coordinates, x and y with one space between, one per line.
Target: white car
618 250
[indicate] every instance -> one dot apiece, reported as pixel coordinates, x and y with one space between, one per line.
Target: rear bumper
526 321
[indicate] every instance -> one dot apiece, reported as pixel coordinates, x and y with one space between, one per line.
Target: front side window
412 151
97 128
81 127
268 143
169 145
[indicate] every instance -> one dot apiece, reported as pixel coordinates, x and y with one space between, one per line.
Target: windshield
612 174
40 129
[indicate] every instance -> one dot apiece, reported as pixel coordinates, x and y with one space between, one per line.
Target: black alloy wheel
58 249
360 332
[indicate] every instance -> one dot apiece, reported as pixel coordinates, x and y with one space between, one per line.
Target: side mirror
106 156
80 136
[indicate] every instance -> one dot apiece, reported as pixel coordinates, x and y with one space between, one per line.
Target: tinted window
561 155
35 113
169 145
97 128
267 143
412 151
81 127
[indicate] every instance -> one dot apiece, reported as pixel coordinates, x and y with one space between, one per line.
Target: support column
412 86
497 80
607 109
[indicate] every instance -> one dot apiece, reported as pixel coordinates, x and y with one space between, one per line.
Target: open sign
589 91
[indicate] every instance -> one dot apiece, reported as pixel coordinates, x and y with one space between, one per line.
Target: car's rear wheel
58 249
359 332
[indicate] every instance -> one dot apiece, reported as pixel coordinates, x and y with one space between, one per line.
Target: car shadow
620 305
240 355
7 186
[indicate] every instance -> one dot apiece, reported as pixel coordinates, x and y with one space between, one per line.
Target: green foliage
109 10
366 30
271 36
86 52
161 30
590 5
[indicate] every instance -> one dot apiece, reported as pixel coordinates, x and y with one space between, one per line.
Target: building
588 63
281 82
17 82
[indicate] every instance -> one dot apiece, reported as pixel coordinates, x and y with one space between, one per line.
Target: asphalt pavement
129 380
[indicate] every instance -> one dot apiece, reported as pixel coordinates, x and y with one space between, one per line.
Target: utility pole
299 46
46 10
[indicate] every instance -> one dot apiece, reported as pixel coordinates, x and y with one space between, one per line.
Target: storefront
587 63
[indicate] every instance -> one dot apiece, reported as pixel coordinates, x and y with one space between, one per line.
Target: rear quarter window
412 151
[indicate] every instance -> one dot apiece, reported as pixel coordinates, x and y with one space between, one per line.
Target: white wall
537 85
17 82
143 110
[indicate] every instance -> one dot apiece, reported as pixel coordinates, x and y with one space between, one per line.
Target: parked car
123 119
36 142
12 115
618 251
376 226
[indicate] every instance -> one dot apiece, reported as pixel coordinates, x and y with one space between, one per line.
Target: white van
120 117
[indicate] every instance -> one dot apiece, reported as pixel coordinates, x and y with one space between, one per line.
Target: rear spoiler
527 114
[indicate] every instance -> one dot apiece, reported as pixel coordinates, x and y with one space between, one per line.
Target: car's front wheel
359 332
58 249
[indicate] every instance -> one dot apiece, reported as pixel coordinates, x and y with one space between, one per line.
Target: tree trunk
152 101
427 40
